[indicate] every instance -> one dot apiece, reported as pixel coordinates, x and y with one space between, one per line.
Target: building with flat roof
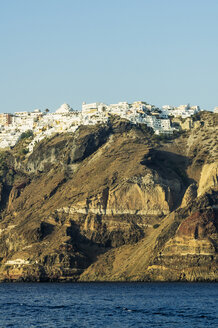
5 119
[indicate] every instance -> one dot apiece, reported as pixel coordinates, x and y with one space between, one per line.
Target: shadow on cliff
169 166
84 245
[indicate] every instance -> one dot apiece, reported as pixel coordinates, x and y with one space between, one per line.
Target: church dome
64 109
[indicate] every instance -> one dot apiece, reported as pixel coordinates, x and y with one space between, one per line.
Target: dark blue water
116 305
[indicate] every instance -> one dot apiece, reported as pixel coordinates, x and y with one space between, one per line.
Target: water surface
117 305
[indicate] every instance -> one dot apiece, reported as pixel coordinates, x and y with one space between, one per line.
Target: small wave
58 306
132 310
11 304
195 316
35 306
161 313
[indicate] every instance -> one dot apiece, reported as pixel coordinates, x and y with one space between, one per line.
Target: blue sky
56 51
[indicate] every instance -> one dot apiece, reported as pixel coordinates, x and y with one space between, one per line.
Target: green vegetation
27 134
196 117
146 129
182 119
3 165
24 151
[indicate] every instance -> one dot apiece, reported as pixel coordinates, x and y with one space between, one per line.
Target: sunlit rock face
208 178
190 195
111 202
191 254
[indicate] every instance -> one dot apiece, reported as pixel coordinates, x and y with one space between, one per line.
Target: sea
114 305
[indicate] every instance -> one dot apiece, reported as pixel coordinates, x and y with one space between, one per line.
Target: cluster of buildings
65 119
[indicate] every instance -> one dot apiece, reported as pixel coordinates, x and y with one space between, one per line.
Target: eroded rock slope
111 202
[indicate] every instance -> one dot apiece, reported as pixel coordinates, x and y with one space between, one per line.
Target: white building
64 109
184 111
65 119
167 107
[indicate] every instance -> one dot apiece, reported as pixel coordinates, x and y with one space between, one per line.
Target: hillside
112 202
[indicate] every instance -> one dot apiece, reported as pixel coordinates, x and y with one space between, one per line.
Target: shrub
27 134
24 151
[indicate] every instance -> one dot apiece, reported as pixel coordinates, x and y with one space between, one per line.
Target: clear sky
56 51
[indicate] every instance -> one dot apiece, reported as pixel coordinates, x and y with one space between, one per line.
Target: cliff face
112 202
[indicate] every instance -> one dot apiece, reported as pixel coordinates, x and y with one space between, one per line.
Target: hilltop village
65 119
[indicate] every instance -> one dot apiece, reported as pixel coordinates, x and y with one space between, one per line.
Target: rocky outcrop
129 198
192 253
190 195
146 198
208 178
15 193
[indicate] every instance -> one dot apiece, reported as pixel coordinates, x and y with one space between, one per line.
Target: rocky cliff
111 202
